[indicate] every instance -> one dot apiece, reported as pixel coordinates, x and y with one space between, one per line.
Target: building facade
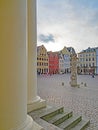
96 60
61 63
64 61
42 60
88 61
66 56
53 62
71 51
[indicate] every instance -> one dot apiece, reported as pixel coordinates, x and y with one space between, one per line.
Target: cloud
46 38
71 22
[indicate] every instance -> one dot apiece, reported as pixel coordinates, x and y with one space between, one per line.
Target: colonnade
18 65
34 101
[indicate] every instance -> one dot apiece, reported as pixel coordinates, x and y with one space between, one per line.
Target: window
80 55
93 64
93 59
89 65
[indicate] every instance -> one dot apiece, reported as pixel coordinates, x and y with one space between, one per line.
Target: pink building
53 62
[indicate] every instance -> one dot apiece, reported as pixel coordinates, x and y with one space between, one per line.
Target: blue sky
67 23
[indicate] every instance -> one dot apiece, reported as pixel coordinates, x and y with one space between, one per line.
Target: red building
53 62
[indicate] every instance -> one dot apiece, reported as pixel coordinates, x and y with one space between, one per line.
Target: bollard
62 83
85 85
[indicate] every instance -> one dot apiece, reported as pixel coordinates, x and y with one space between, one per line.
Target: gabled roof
65 51
39 47
71 50
89 49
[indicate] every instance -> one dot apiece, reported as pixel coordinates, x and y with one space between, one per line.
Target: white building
64 62
88 61
61 63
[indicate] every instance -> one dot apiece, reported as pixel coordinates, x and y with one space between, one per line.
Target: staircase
65 120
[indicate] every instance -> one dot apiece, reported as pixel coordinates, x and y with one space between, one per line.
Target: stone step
81 125
56 120
96 129
52 117
70 123
52 112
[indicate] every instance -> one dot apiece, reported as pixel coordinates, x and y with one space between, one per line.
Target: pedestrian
92 75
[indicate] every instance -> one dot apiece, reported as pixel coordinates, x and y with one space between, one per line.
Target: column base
36 104
29 124
75 85
37 126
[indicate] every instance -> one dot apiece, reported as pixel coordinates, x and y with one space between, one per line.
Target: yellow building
42 60
87 61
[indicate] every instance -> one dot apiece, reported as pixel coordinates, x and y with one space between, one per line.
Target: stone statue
73 77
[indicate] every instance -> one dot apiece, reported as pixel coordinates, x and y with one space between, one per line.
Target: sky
70 23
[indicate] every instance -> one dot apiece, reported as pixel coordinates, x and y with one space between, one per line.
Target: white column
13 68
34 101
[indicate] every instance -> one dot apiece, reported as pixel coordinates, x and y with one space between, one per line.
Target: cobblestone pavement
81 100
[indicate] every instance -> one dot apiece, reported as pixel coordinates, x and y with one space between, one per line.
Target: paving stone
82 101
